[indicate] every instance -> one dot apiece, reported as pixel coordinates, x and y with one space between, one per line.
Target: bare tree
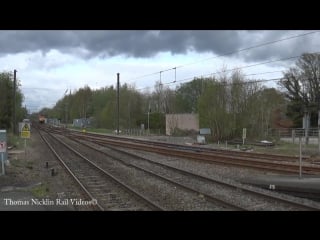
302 87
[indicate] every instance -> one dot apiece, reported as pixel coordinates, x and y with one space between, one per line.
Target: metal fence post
293 135
2 164
300 159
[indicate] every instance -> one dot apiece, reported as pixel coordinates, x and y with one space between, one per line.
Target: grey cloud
279 50
144 44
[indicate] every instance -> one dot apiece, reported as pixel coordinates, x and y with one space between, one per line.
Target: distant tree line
226 103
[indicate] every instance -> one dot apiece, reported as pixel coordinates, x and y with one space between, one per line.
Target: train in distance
42 119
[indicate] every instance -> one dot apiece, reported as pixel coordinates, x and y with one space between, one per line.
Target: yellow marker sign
25 130
26 127
25 134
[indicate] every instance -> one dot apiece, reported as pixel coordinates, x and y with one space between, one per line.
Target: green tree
232 103
6 101
213 110
84 102
187 95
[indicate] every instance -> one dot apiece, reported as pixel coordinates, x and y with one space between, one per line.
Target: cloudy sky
50 62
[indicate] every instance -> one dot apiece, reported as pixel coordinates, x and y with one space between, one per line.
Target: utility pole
307 127
66 107
118 91
14 101
306 120
148 123
160 94
66 115
318 100
319 130
149 119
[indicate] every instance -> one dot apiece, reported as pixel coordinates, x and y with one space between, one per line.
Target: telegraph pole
148 123
149 119
318 100
306 120
118 91
319 130
14 100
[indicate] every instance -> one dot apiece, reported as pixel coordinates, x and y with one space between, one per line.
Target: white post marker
244 134
3 149
25 149
2 164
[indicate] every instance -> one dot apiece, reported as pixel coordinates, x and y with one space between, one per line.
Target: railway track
265 162
199 184
104 190
181 178
169 192
271 157
261 164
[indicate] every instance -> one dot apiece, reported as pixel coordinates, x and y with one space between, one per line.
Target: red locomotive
42 119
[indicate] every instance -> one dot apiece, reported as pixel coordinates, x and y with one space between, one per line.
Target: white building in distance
184 121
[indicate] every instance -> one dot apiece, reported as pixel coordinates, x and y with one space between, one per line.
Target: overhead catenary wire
227 83
228 53
252 81
233 69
